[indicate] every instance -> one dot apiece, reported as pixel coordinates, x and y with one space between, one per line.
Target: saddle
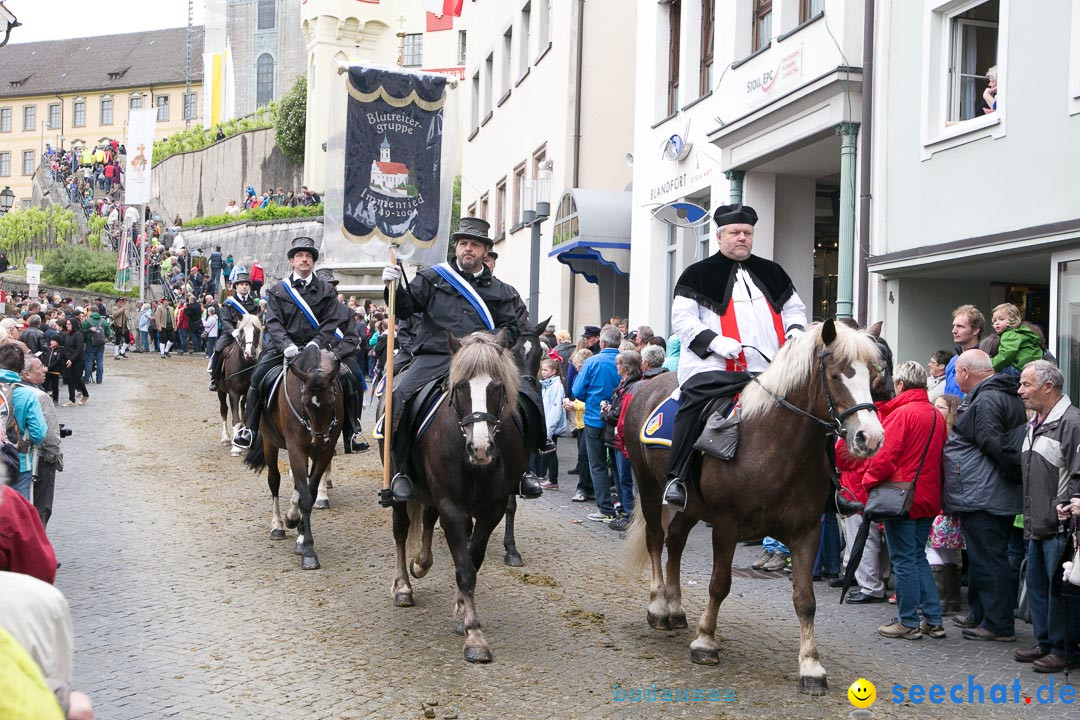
422 405
720 436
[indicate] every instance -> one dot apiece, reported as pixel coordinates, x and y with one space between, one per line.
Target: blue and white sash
235 304
450 275
305 309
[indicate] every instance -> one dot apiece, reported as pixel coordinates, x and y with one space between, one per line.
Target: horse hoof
477 654
234 452
277 534
291 523
677 621
322 504
659 622
817 687
417 570
459 629
309 562
403 599
513 559
298 549
701 656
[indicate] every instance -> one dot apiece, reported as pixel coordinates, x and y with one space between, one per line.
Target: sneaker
579 497
85 399
549 485
892 599
600 517
778 561
620 524
763 558
69 404
935 631
896 630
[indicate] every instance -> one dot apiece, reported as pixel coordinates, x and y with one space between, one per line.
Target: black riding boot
529 488
215 370
354 439
401 487
252 411
682 447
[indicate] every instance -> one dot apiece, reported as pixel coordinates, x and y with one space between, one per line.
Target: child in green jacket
1019 343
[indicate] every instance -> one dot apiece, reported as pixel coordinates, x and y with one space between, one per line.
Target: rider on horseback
300 310
236 306
344 350
727 304
462 297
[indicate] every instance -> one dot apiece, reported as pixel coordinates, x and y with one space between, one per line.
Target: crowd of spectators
281 197
85 170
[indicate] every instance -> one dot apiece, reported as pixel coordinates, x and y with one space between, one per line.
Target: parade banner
140 148
395 177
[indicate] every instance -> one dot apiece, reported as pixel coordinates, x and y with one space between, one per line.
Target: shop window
500 208
809 9
973 52
762 23
708 25
412 51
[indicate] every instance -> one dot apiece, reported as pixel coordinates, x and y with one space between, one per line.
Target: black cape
709 282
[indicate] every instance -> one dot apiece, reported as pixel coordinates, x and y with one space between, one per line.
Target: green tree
290 125
77 266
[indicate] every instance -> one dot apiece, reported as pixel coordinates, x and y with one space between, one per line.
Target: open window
973 58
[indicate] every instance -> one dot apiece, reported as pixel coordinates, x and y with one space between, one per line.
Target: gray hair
991 73
34 320
1046 372
911 373
28 362
653 355
610 336
645 333
629 360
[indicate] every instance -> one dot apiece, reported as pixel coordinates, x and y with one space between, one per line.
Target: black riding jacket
286 325
230 316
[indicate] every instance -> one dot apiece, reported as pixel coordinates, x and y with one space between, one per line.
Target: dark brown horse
238 359
468 461
775 485
304 419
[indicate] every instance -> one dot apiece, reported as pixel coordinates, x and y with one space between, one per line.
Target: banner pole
388 393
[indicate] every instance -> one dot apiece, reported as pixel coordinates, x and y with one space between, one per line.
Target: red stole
729 327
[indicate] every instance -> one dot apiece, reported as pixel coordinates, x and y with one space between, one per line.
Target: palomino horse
468 462
528 351
775 485
304 419
238 359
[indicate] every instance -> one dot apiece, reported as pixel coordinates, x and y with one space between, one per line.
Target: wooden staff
388 392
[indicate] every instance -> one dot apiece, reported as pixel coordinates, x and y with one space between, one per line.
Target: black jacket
74 345
53 360
286 325
230 316
34 339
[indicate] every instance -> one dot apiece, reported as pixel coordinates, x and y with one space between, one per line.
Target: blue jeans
598 469
915 585
94 356
23 483
624 481
1048 612
183 341
828 554
144 340
773 545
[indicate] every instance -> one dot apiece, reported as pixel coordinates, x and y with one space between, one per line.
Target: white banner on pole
140 148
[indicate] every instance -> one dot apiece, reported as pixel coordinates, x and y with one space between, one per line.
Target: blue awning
592 233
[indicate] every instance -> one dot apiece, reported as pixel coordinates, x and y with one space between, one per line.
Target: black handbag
891 500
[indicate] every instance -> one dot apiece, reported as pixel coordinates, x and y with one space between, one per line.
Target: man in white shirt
732 312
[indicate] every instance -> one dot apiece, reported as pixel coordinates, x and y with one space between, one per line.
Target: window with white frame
526 38
412 51
135 102
483 207
28 162
704 233
189 106
489 83
54 116
78 112
507 49
500 208
519 193
543 27
973 53
5 119
106 110
5 164
461 42
474 118
29 118
672 262
162 108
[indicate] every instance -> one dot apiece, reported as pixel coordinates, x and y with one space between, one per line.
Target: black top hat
493 255
591 331
475 228
737 213
242 277
306 244
326 275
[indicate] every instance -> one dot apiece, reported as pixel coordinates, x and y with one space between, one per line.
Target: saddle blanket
427 414
659 428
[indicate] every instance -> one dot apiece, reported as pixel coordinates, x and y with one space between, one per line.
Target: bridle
319 437
495 421
835 423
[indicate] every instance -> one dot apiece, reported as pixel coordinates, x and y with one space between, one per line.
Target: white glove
291 352
725 347
236 333
391 273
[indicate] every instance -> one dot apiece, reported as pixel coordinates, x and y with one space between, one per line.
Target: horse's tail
256 457
414 540
635 553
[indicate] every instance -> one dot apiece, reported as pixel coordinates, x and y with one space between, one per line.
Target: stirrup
213 386
400 490
675 494
529 486
359 443
242 438
547 447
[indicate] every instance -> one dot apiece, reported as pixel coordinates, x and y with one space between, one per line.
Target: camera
64 432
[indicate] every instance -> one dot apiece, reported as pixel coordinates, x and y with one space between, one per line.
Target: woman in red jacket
912 426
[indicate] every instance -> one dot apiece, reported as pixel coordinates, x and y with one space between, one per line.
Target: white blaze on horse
239 358
776 484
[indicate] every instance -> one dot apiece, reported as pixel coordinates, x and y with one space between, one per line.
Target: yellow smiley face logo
862 693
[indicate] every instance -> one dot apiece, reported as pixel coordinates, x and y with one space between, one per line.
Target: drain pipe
864 156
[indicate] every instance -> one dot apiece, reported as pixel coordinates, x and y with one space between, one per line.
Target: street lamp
537 209
7 199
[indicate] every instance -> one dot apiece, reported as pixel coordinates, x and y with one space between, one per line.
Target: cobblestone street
184 607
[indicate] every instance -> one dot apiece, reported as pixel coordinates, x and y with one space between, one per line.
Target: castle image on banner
388 177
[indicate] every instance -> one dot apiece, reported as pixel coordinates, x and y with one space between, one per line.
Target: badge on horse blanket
720 438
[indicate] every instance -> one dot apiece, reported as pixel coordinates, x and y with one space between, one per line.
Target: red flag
444 7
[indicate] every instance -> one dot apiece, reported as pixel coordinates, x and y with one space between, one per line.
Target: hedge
270 212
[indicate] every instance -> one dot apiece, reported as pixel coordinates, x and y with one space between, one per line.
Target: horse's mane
480 355
797 360
249 319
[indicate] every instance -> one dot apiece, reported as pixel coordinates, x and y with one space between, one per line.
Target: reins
318 436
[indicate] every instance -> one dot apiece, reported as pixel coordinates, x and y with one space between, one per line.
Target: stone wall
266 241
201 182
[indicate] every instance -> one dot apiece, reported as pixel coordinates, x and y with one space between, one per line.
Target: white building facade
976 204
534 104
756 102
